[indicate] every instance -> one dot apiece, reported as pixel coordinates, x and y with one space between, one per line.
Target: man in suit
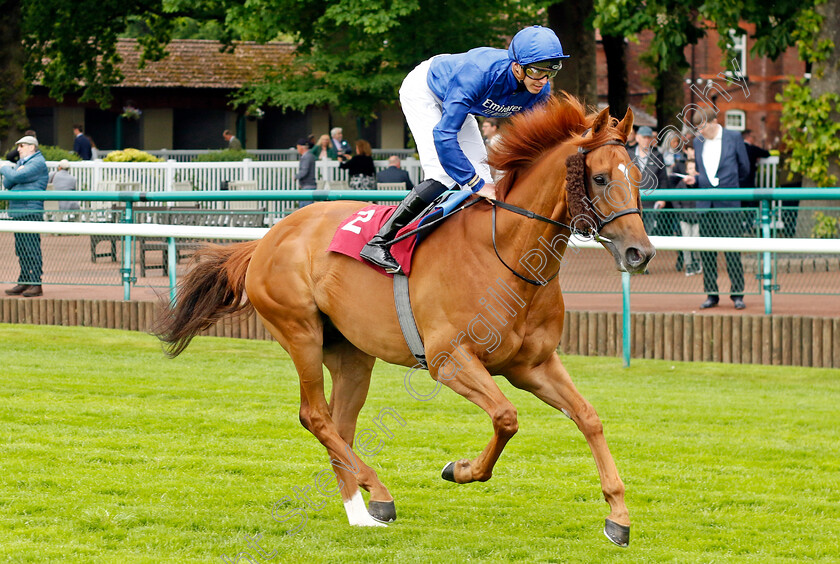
722 162
233 143
754 152
342 147
81 144
394 173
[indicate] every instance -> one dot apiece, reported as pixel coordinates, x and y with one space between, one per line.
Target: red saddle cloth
359 228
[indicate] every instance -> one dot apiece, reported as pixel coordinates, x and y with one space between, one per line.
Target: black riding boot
377 249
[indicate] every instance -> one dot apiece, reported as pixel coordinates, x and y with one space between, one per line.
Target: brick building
758 110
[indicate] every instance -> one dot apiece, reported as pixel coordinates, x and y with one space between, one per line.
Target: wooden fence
737 339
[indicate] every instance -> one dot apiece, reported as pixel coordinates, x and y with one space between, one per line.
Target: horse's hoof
448 472
383 511
619 534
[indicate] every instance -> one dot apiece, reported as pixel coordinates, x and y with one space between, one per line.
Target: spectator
324 150
306 171
233 143
342 147
394 173
30 173
754 152
722 162
489 129
82 146
310 140
13 156
441 98
649 160
687 217
673 152
61 179
631 141
361 169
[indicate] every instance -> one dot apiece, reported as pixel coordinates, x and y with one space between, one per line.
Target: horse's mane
529 134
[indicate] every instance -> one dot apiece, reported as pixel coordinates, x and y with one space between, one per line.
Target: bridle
593 232
600 222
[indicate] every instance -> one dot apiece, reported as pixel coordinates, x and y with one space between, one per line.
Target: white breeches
423 111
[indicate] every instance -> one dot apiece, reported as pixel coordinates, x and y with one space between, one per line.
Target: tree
354 54
572 21
615 51
811 108
12 87
675 26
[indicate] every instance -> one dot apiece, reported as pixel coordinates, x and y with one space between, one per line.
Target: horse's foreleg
551 383
475 383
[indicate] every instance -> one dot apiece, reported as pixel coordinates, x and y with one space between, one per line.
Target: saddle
360 227
355 231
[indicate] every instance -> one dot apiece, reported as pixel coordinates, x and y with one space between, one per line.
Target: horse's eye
600 179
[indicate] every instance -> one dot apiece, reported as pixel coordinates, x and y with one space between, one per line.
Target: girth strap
406 317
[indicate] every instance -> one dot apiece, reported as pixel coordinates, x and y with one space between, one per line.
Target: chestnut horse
328 309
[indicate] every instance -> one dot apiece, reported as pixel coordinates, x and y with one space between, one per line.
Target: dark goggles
538 73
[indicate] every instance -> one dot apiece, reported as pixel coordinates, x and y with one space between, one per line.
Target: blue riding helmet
534 44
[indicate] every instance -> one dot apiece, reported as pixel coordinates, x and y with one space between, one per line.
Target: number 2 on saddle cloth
360 227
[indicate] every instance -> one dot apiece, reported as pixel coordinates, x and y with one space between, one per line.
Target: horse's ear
601 122
626 124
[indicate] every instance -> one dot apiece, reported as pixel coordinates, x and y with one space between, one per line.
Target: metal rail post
172 259
127 244
625 318
766 271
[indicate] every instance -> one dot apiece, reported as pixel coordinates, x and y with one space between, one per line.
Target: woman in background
360 166
324 150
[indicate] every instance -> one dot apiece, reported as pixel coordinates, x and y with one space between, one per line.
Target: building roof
640 117
199 63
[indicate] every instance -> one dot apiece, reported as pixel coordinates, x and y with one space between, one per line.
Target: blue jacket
733 170
479 82
82 147
28 174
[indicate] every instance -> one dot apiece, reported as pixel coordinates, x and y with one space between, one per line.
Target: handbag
362 182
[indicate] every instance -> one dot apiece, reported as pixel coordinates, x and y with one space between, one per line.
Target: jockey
440 99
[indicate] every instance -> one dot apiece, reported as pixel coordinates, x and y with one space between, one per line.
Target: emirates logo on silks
498 110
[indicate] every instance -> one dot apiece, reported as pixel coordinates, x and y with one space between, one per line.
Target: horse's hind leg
551 383
350 369
302 336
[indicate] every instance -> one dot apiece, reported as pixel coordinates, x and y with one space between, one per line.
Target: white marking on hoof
357 513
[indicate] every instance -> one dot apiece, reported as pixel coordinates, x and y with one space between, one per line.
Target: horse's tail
214 288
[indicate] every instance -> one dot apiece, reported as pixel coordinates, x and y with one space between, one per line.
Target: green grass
109 452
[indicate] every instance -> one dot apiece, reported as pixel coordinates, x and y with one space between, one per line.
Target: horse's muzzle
637 259
632 259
